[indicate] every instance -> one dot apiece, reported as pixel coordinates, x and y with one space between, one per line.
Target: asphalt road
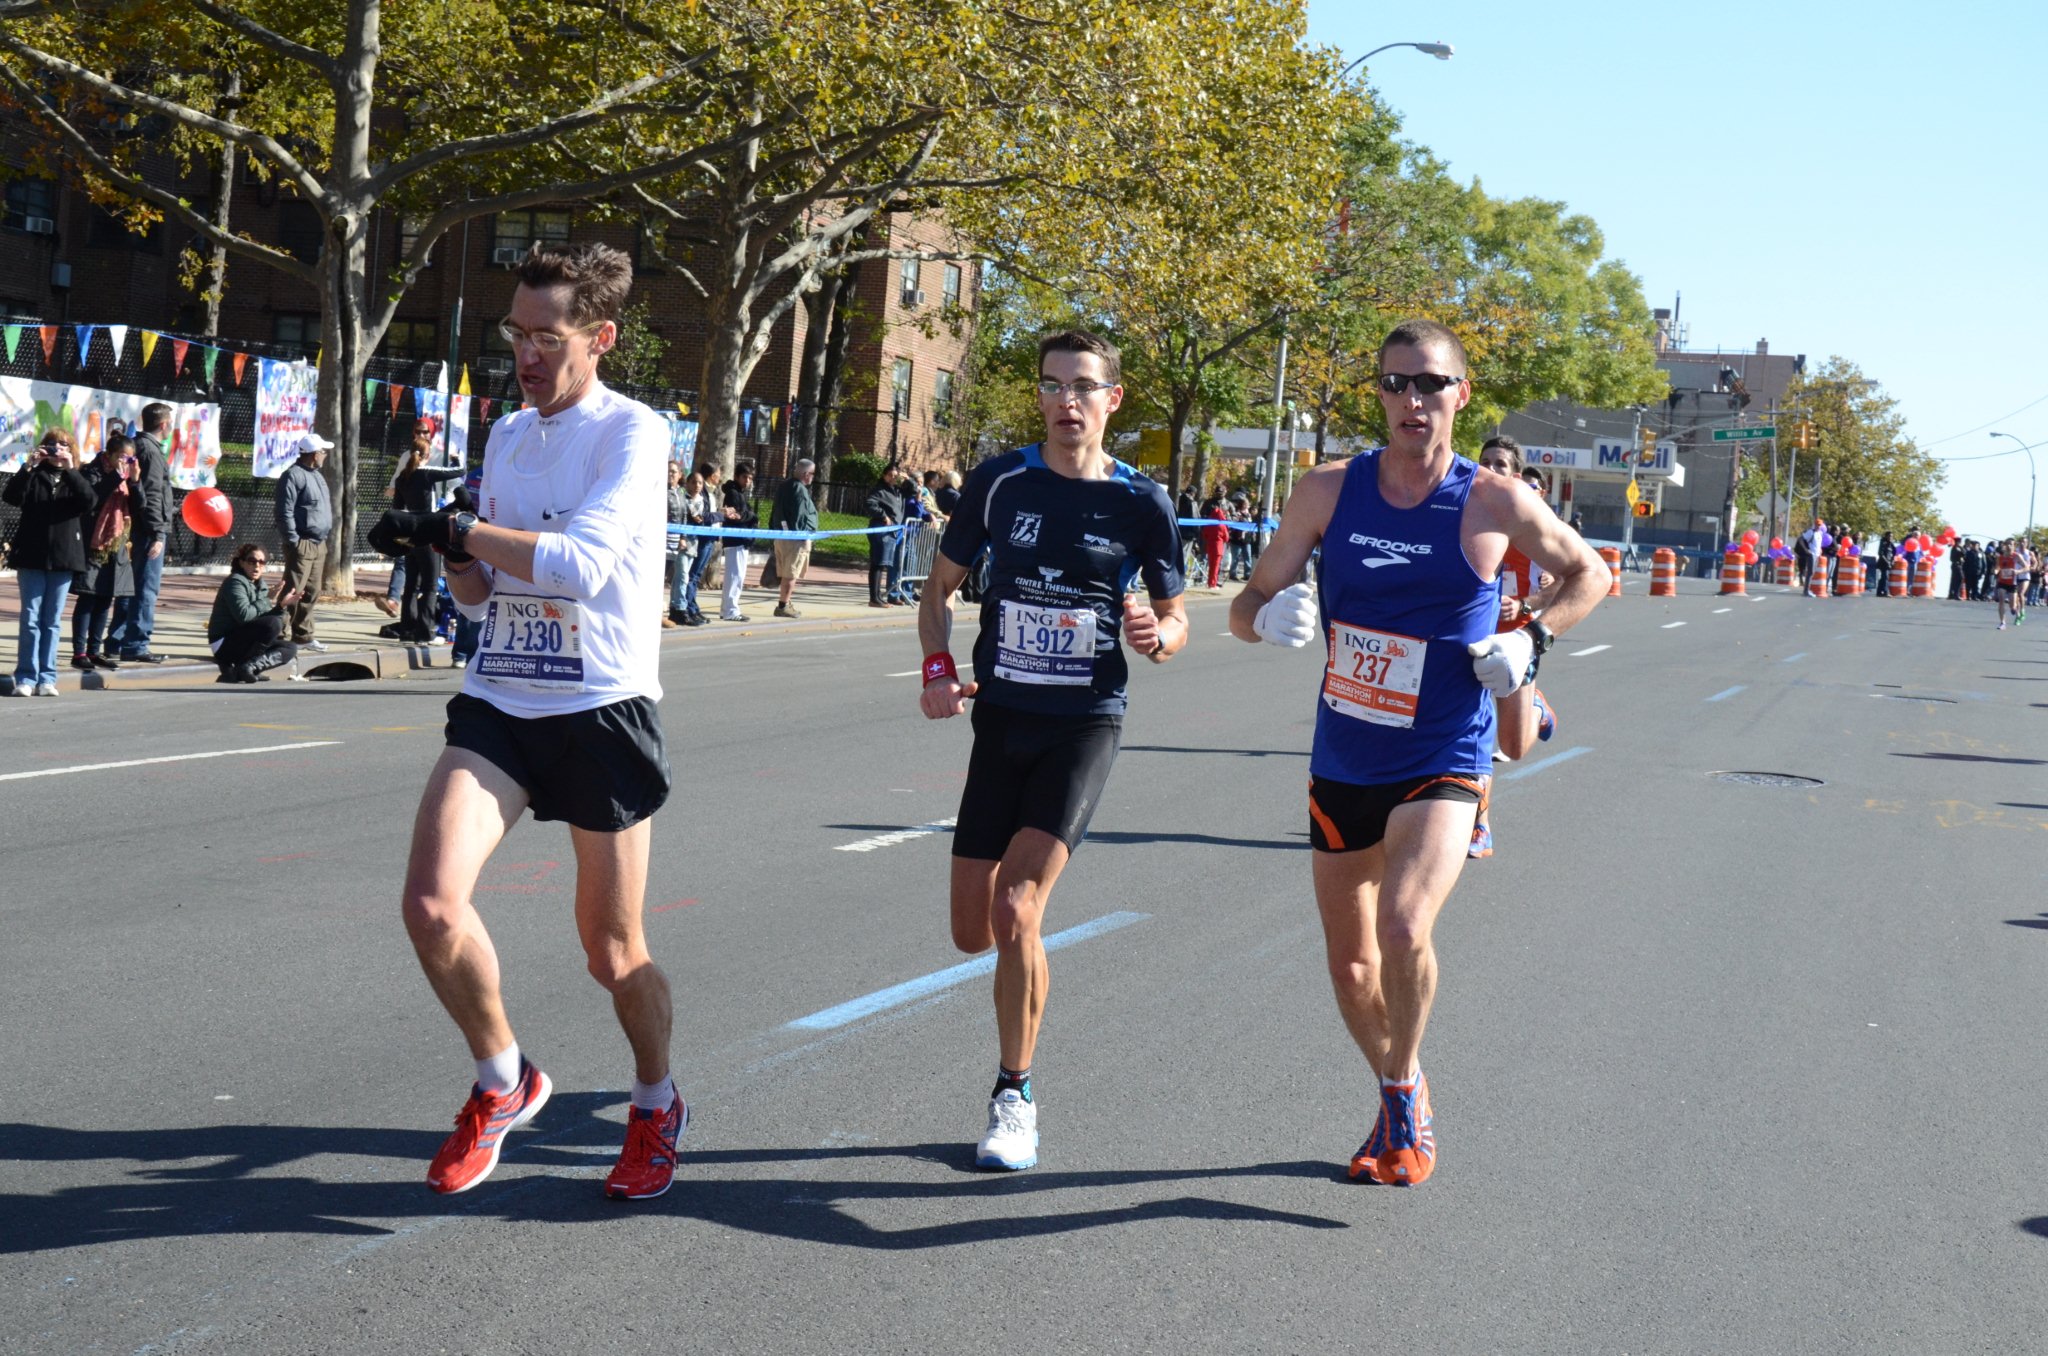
1718 1066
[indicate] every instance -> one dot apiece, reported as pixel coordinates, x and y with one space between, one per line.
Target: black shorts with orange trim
1347 817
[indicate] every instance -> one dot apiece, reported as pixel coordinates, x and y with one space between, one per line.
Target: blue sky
1864 180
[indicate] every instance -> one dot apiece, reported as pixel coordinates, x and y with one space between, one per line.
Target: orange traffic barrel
1784 572
1923 578
1732 573
1848 576
1902 578
1664 573
1817 579
1612 555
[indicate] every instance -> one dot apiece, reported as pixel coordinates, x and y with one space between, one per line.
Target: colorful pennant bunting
149 338
397 394
49 333
369 393
211 359
117 335
241 361
12 334
179 348
85 333
463 389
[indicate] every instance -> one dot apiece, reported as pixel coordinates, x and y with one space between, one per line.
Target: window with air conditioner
906 282
899 383
31 206
516 231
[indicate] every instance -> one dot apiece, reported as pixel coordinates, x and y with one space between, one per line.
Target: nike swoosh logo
1384 560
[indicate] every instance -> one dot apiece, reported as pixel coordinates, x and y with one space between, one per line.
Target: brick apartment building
64 260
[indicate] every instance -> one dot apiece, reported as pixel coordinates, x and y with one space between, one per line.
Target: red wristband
940 665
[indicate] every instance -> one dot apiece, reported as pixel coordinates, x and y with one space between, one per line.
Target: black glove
398 532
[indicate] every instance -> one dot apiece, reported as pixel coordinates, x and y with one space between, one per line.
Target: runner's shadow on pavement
1975 758
2040 924
1193 839
205 1181
2037 1226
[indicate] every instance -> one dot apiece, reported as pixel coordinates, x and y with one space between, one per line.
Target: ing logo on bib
1024 530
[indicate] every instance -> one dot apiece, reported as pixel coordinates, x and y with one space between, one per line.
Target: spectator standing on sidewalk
134 617
414 493
737 509
246 630
681 549
109 575
794 511
48 548
885 509
305 518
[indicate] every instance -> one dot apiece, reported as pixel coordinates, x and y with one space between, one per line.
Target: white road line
1725 695
907 673
882 840
896 995
1719 610
1590 649
1794 658
1552 761
171 758
1668 625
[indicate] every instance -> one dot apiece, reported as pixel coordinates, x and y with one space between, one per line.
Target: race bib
1046 645
1374 675
535 644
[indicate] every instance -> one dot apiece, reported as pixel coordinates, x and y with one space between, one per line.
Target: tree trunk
223 192
819 307
832 378
1176 429
345 363
1204 440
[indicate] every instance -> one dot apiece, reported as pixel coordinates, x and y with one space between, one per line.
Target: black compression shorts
1346 817
1032 771
604 770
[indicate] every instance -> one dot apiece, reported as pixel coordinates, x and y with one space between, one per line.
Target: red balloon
1750 536
1949 532
1934 553
1777 543
1749 557
208 513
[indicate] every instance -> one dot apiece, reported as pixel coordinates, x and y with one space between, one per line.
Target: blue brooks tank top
1400 604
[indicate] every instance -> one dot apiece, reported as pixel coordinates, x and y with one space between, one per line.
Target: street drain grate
1765 779
1909 697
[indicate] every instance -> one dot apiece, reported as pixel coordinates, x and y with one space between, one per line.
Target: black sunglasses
1426 383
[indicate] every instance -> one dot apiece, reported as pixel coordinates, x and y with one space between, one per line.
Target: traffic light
1646 509
1649 450
1806 437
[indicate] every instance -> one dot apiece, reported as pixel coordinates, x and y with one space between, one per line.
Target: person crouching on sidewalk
246 630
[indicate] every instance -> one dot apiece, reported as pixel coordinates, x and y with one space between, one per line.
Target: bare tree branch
256 142
171 204
263 37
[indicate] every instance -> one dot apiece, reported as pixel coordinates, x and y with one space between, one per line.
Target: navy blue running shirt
1061 554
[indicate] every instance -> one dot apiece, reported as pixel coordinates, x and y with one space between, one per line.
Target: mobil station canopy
1609 459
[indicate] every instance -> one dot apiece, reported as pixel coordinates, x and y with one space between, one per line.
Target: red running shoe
469 1155
1368 1153
647 1165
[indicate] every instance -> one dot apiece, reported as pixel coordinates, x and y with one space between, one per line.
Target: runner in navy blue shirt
1068 529
1412 537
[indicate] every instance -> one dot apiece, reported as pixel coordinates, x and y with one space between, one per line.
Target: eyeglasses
259 560
1081 389
543 341
1426 383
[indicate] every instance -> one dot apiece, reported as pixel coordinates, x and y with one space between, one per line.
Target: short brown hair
598 277
1507 445
1080 341
1420 333
57 435
245 550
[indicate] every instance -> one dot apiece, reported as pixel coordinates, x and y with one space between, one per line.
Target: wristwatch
1158 648
458 529
1540 636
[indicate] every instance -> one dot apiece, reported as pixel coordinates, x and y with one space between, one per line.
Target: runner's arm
1579 578
1280 565
1163 624
943 696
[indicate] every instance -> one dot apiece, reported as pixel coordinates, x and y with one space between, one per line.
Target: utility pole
455 345
1273 439
1775 499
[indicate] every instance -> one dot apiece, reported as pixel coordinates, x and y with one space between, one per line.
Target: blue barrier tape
773 533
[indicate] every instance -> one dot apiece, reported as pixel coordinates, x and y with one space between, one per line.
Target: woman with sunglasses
48 549
246 629
108 575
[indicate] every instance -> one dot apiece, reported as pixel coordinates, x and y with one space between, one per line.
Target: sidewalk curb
378 662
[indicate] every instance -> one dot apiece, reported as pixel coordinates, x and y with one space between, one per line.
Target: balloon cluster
1931 547
1743 548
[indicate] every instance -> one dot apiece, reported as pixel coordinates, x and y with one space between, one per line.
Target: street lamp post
2027 448
1442 51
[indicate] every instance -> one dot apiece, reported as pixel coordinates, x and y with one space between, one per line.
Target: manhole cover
1765 779
1909 697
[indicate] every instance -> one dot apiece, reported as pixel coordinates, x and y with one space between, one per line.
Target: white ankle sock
500 1073
1386 1082
655 1096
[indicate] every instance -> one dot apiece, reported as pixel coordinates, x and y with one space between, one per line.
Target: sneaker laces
1400 1105
645 1140
1005 1115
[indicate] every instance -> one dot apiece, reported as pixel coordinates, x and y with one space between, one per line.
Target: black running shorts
1346 817
1032 771
604 770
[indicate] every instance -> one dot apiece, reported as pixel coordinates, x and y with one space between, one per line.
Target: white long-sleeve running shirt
592 482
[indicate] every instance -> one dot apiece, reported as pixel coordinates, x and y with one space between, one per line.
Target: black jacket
884 506
415 489
55 508
737 498
153 491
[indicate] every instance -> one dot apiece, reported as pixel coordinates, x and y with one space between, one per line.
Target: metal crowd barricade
919 545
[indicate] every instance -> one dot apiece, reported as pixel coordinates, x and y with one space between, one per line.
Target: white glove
1288 618
1501 662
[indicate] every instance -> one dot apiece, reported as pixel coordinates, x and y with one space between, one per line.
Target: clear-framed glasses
543 341
1081 389
1425 383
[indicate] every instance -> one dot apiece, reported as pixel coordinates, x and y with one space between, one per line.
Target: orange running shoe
647 1165
469 1155
1368 1152
1410 1155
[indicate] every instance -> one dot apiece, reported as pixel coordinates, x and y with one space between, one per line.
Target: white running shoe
1011 1143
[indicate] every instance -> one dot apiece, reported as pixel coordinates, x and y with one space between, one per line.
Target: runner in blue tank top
1068 528
1412 536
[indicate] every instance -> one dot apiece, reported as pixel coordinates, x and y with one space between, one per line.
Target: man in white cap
305 519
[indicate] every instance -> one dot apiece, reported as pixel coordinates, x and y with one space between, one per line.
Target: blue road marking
1724 696
1795 658
913 989
1552 761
